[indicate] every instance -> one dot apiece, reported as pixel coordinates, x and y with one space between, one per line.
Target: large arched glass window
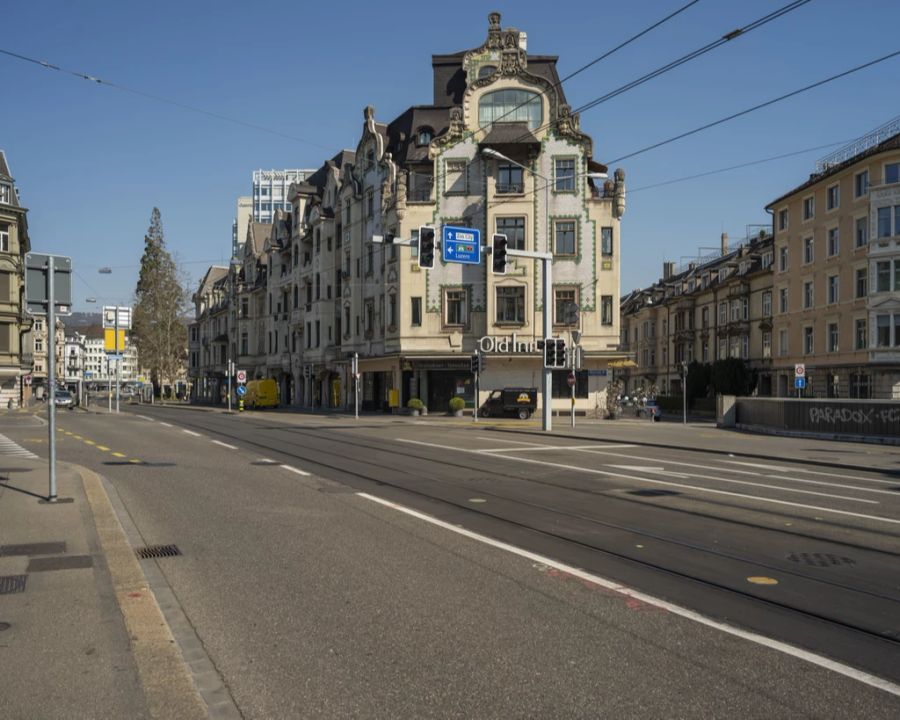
510 106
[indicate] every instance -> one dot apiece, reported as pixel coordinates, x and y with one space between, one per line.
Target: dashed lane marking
225 445
144 417
295 470
777 645
165 424
103 448
761 580
191 432
89 442
119 455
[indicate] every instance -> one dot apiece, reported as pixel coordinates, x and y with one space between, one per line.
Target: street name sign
461 245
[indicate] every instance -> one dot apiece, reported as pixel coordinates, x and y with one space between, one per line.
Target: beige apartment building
837 273
16 356
717 307
498 150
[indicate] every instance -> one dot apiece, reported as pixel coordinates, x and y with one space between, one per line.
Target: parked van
261 394
514 402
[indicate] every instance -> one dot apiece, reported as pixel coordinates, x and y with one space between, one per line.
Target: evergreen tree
158 325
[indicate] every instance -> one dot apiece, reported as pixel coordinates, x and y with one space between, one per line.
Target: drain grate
820 559
158 551
44 548
10 584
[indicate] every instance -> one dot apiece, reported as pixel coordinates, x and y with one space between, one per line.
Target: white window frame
809 250
834 289
833 193
809 208
833 241
856 183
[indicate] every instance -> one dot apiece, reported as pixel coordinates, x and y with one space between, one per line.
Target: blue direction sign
800 383
461 245
241 390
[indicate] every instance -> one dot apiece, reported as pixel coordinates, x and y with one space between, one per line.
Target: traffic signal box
426 247
477 361
499 244
555 353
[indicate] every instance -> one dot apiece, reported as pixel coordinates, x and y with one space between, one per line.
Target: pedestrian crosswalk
8 447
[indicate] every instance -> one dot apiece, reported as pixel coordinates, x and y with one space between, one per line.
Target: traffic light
474 360
499 244
478 363
426 247
561 353
550 352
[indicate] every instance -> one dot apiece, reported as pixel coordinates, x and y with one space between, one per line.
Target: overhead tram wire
749 110
750 163
159 98
728 37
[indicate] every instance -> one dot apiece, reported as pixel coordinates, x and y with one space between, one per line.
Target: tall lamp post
546 261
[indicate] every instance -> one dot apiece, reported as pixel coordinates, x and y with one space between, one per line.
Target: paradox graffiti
858 416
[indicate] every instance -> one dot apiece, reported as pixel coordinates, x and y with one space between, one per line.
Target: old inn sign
507 345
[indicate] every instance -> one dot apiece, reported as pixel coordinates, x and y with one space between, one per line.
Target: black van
510 402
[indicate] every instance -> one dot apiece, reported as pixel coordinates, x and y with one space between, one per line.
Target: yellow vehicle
261 394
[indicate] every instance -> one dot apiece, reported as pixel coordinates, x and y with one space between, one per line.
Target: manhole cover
158 551
652 493
10 584
820 559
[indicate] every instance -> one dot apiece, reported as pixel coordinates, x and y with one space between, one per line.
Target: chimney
668 269
724 243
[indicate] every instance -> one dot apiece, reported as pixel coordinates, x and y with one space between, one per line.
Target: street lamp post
546 276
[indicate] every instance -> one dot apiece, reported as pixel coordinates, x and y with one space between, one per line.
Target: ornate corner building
16 344
498 149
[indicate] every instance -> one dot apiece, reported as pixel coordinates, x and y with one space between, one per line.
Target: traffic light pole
547 292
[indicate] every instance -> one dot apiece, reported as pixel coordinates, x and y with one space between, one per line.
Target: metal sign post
354 368
230 371
51 374
547 292
684 378
48 284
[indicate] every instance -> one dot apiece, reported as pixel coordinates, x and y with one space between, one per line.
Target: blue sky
92 161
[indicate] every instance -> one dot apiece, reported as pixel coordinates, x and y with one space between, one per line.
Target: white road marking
295 470
191 432
779 646
144 417
774 468
654 481
637 468
756 474
165 424
225 445
539 448
12 449
514 442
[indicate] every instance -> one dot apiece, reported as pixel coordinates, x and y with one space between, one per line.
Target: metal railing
860 145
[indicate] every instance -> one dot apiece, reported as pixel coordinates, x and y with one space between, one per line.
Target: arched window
424 136
486 71
510 106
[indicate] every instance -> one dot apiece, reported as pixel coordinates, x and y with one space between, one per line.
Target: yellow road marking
89 442
761 580
77 437
103 448
118 454
67 432
135 461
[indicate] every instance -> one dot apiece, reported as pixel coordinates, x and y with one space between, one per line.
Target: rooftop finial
494 20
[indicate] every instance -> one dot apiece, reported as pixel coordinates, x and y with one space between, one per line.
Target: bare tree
161 299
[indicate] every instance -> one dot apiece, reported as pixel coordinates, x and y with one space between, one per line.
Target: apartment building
208 340
837 273
98 368
497 149
717 307
16 356
41 339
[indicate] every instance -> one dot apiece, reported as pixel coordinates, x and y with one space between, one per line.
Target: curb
168 686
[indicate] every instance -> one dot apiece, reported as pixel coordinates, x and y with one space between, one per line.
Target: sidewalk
69 646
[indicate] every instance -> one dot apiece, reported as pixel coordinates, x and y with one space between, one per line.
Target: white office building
270 193
98 367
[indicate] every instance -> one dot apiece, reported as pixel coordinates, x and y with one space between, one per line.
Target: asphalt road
314 600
